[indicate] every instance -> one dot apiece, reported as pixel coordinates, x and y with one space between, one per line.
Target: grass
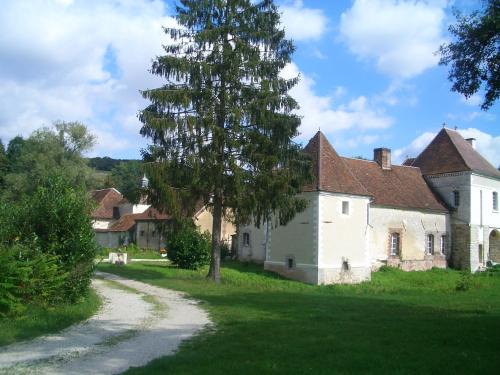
133 252
37 321
399 323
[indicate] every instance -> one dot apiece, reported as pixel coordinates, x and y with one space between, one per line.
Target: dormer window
456 198
495 201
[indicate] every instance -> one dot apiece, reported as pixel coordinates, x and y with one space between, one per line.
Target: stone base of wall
306 274
354 275
312 275
436 261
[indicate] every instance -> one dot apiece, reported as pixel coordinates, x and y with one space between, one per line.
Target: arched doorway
495 246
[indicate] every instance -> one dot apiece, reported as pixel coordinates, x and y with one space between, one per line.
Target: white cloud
303 23
323 111
486 144
402 36
474 100
414 148
53 65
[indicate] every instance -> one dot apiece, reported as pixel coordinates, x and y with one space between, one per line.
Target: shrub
54 227
28 276
465 282
188 248
225 250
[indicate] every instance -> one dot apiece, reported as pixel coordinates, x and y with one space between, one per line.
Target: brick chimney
383 157
472 142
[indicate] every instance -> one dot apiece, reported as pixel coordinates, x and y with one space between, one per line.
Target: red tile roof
400 186
127 221
450 152
331 174
106 199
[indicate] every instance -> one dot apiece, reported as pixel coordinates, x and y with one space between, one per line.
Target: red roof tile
330 172
450 152
400 186
106 199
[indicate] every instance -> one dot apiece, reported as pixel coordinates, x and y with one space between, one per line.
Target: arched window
395 244
430 244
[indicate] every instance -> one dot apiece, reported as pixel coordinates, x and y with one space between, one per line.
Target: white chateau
436 210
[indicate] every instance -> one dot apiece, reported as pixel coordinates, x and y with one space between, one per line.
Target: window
395 241
246 239
430 244
290 262
495 201
456 198
442 245
345 207
142 233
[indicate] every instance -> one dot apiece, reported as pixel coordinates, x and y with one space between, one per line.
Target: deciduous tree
222 126
474 55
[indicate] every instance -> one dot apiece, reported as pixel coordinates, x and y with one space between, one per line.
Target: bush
225 250
54 228
188 248
465 282
28 277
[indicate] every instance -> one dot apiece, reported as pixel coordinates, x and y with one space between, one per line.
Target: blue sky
369 75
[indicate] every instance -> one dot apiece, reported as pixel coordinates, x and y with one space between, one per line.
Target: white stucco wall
255 250
482 212
343 238
101 223
445 184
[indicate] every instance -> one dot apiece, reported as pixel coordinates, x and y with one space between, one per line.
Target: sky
369 73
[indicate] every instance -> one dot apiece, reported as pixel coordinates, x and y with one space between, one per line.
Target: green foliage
41 320
28 277
475 54
465 282
225 250
48 151
53 227
222 125
126 178
188 248
106 163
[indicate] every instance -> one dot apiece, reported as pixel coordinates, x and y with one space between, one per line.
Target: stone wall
460 246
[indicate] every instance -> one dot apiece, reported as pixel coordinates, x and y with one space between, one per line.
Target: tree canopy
474 55
48 151
127 178
222 126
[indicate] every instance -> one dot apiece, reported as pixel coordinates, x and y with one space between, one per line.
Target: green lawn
37 321
399 323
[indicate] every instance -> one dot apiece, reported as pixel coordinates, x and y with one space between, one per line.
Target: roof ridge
455 146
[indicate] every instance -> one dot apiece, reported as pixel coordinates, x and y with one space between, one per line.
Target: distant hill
106 163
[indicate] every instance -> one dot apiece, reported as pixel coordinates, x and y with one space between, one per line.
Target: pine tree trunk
214 272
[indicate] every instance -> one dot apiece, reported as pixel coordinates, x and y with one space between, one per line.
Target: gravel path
137 323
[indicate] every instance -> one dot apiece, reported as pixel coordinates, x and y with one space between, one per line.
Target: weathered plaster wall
445 184
342 239
255 250
413 227
204 222
297 239
149 236
110 239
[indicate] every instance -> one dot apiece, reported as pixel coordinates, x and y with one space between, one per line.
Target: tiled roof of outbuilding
330 172
106 199
400 186
450 152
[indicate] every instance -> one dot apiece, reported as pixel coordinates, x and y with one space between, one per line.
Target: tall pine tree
222 125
